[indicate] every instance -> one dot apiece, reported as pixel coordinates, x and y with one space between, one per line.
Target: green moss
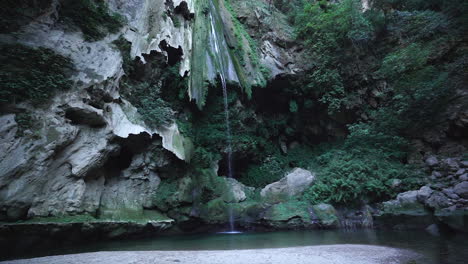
165 196
283 212
124 46
326 214
136 215
32 74
91 16
24 121
60 219
176 21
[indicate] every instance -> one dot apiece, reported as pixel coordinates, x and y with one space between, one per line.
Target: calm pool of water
438 249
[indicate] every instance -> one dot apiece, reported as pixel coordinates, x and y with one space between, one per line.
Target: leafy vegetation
32 74
91 16
147 98
165 194
155 91
25 121
354 173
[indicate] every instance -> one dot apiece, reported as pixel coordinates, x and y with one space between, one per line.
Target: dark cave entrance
174 55
239 165
122 159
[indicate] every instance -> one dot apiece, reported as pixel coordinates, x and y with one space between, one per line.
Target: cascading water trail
216 42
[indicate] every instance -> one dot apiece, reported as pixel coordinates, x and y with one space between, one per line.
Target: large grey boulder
236 192
424 193
295 183
461 189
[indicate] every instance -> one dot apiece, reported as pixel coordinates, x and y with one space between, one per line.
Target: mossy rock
292 214
326 214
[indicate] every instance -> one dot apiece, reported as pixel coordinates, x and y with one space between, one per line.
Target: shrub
32 74
359 173
91 16
147 98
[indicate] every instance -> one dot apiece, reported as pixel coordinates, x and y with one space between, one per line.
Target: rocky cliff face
89 151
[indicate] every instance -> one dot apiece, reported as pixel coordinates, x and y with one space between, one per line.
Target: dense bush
334 34
348 174
32 74
147 99
91 16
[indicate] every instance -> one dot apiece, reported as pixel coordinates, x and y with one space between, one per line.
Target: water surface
446 249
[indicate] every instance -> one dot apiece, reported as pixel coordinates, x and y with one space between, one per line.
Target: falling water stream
216 43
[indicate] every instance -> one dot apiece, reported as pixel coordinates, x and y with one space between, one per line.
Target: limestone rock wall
64 165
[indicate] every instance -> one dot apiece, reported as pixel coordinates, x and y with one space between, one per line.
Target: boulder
463 177
450 193
405 204
424 193
461 189
432 161
236 192
451 164
326 215
438 200
291 214
464 163
295 183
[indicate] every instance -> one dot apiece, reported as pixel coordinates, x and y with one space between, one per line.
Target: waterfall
217 41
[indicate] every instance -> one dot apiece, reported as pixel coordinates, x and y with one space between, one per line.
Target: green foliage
409 58
31 74
60 219
25 121
276 165
293 107
156 89
329 30
91 16
242 34
176 21
165 194
271 170
124 47
147 98
348 174
417 25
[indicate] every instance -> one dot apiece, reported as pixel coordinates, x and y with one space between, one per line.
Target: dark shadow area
174 55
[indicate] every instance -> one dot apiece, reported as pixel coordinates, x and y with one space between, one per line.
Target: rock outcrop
296 182
90 152
444 200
